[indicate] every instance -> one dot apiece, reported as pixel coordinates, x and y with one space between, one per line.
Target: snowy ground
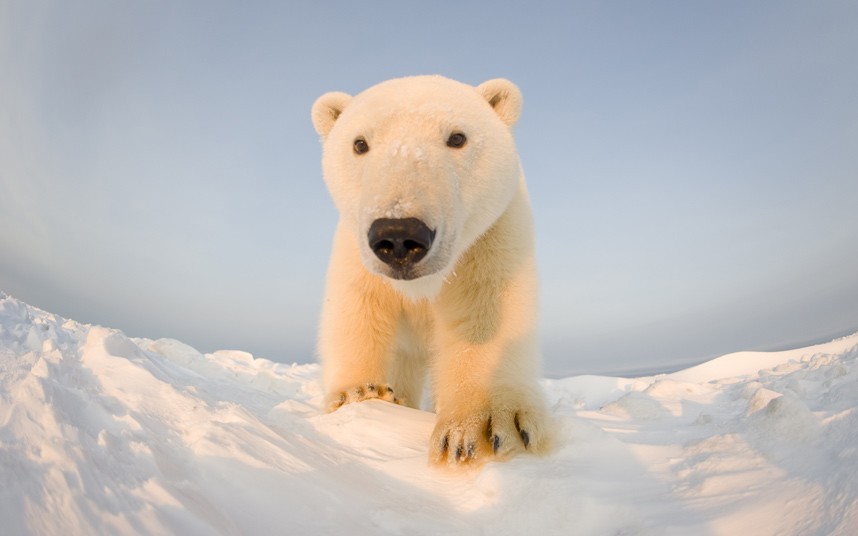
104 434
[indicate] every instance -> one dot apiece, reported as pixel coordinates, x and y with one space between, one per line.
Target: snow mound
105 434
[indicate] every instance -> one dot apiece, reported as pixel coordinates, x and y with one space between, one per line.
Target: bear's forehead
397 113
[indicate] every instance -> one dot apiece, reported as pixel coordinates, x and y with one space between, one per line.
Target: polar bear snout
400 243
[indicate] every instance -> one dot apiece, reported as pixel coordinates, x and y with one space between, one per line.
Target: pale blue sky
693 166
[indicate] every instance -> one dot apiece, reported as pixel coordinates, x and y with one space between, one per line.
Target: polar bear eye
456 140
361 146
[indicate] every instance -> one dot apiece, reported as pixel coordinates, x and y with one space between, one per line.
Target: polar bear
432 268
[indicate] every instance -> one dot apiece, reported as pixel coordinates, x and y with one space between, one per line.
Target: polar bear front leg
488 399
357 330
355 347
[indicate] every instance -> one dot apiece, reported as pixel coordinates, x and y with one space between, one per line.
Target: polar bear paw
495 432
359 393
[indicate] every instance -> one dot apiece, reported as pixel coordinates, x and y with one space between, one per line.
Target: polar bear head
419 168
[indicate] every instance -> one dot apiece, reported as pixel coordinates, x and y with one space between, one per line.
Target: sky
692 165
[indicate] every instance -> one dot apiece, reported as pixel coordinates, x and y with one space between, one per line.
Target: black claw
459 452
496 443
525 437
370 387
359 392
472 449
445 443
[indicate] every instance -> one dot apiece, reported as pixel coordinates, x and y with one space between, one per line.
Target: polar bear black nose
400 243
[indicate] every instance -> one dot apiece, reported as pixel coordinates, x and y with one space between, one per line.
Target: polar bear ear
504 97
327 109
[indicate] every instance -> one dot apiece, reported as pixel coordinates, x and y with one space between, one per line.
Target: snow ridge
101 433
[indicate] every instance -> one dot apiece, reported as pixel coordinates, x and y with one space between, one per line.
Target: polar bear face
419 168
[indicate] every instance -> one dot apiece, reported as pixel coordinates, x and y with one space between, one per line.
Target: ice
105 434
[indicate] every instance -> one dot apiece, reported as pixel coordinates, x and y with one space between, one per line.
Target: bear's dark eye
456 140
361 146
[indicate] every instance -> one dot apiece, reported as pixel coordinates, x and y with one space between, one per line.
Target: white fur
469 316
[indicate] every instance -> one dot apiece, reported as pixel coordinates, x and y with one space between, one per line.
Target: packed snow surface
105 434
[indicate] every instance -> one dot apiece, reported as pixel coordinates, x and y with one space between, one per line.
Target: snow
101 433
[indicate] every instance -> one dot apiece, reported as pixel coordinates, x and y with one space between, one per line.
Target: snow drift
105 434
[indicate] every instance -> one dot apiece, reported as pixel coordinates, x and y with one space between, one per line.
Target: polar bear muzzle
400 244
